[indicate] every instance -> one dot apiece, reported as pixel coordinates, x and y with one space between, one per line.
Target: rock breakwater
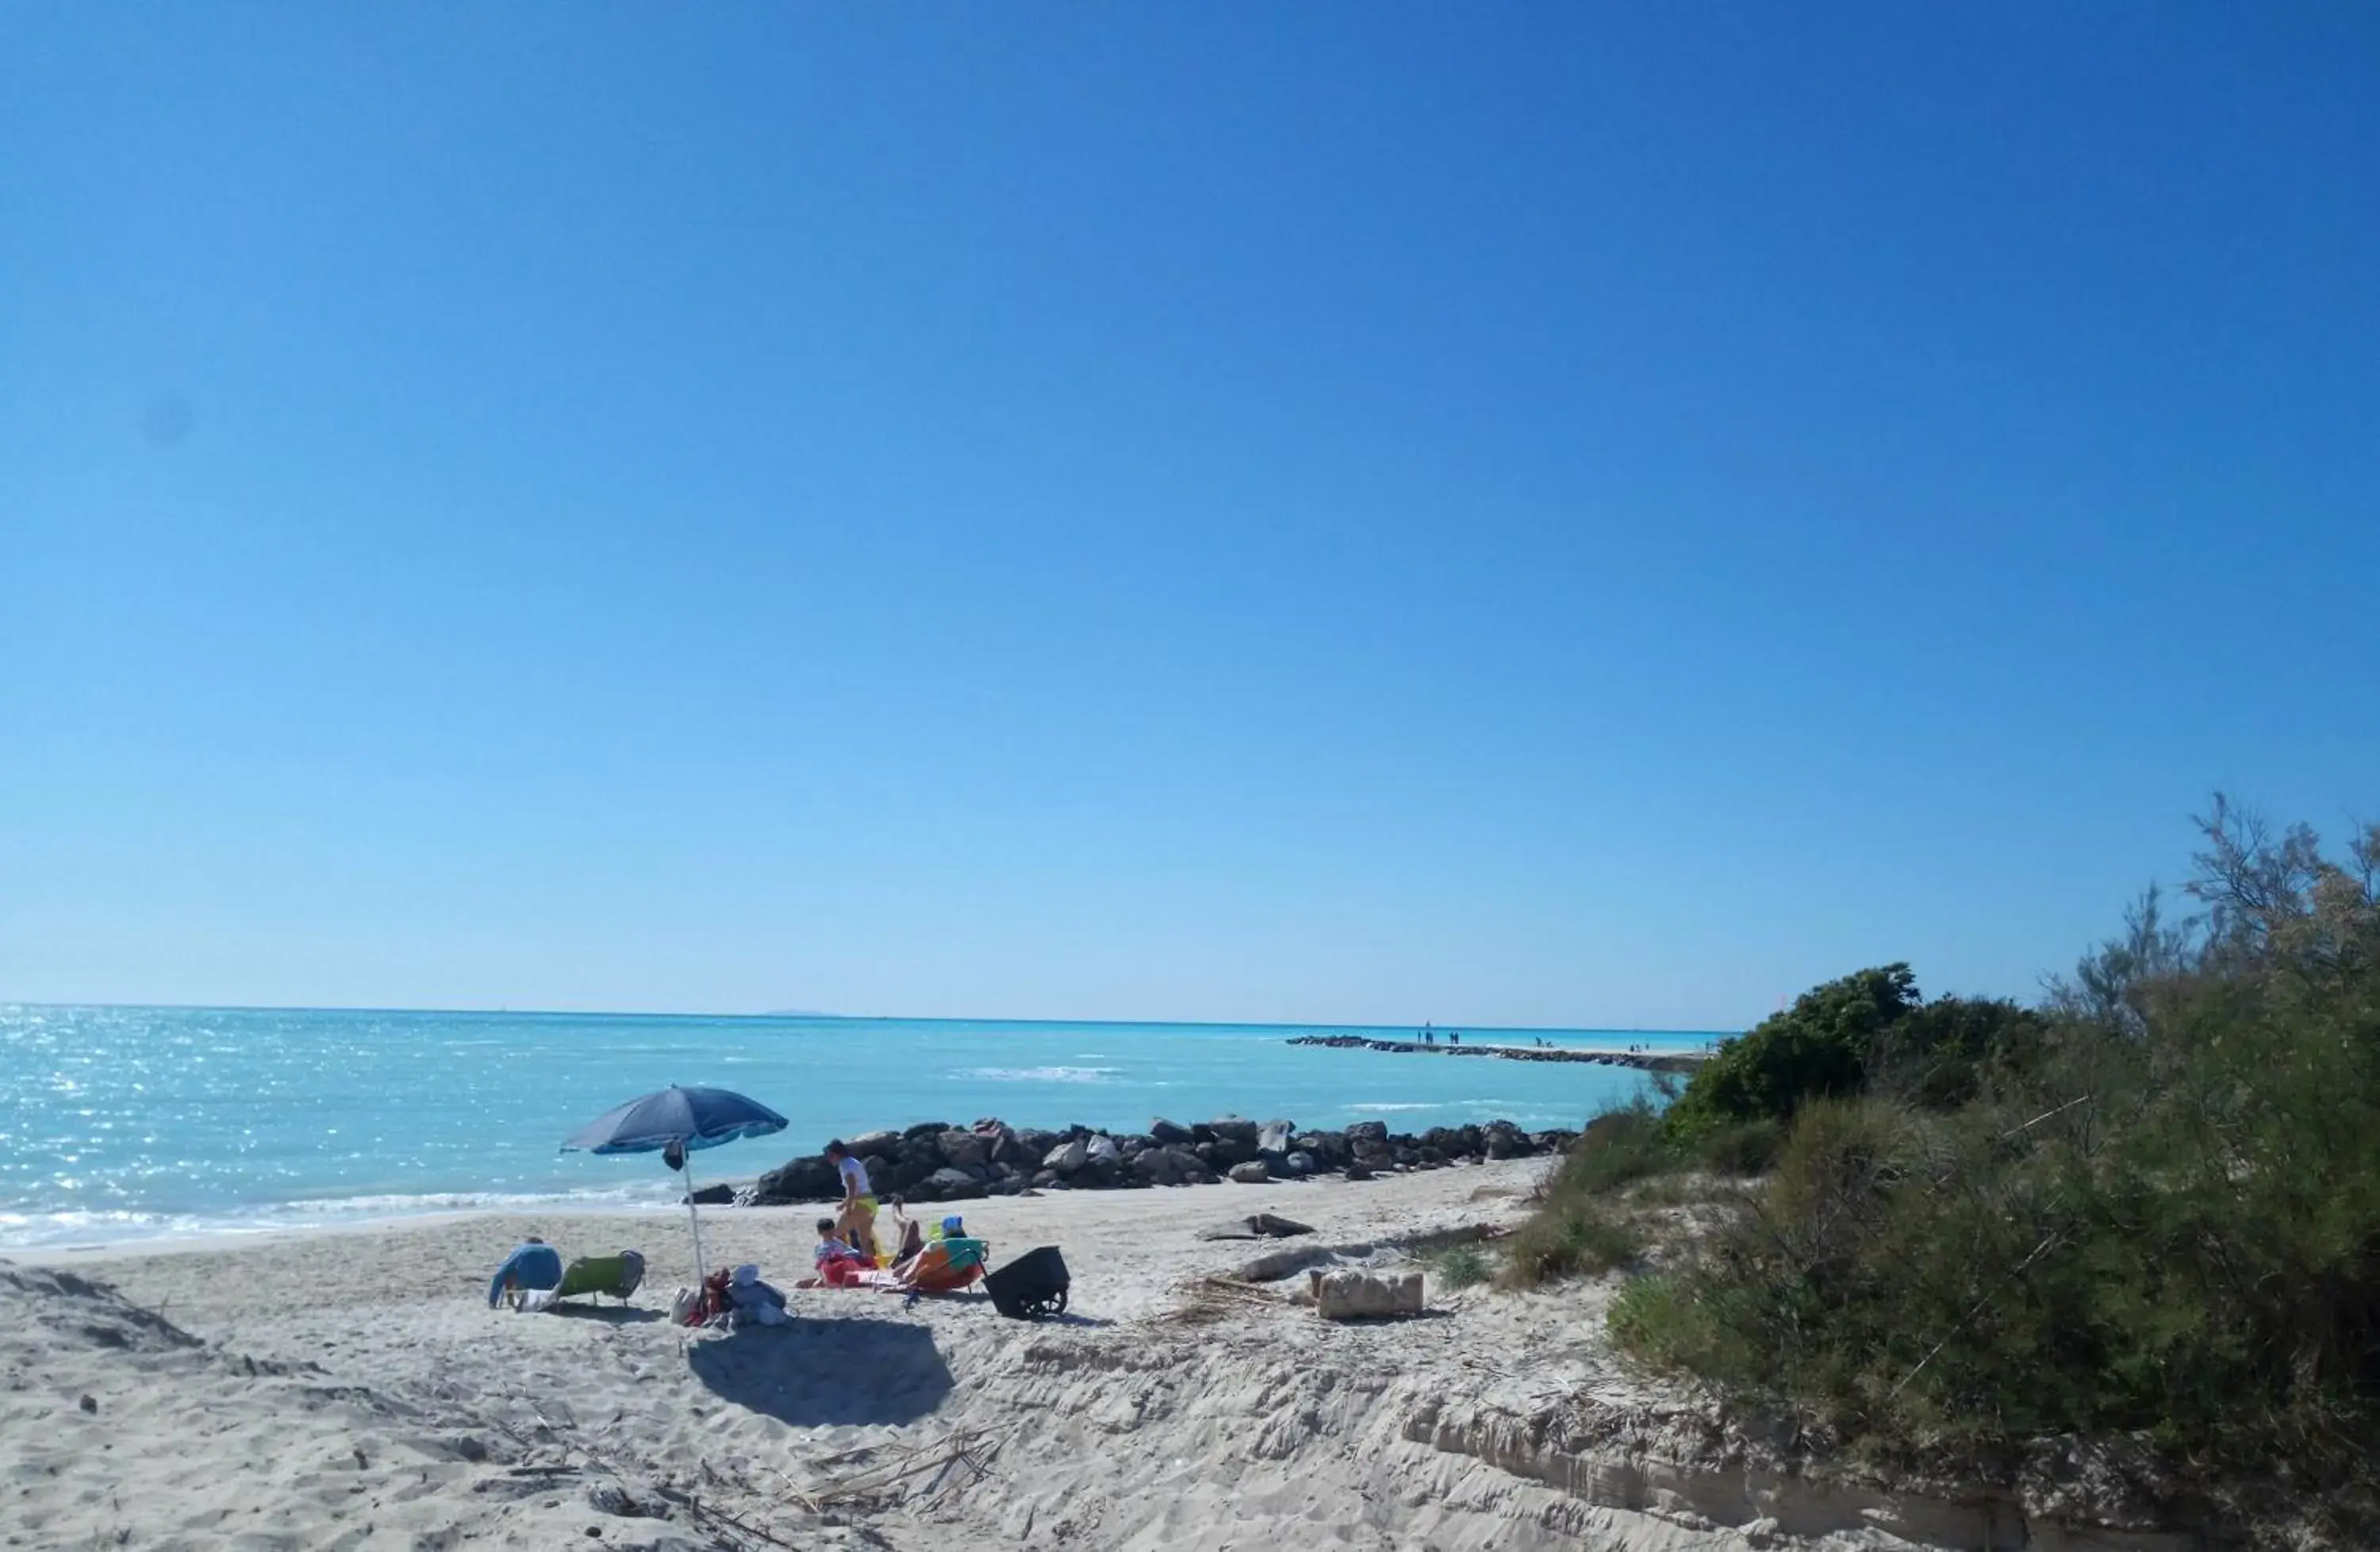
1643 1061
938 1163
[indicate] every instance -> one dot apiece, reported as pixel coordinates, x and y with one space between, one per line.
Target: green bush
1818 1046
1744 1147
1572 1235
1463 1265
1617 1148
2152 1209
1671 1324
1866 1031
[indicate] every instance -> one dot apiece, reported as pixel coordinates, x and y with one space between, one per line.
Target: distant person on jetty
532 1267
856 1221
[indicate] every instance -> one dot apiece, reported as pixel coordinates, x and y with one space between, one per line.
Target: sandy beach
353 1389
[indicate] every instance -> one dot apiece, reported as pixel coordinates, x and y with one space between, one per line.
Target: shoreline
926 1162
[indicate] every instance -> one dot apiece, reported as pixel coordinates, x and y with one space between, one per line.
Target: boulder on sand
1170 1133
1256 1226
1067 1157
1255 1172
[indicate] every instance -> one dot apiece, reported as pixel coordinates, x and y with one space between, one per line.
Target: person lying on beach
907 1238
950 1261
533 1266
856 1221
839 1265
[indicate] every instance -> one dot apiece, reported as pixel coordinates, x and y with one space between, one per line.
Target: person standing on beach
856 1221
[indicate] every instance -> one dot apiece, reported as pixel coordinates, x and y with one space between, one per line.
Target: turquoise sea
129 1122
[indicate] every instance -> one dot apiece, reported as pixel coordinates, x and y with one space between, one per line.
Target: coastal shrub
1571 1236
1617 1148
2152 1209
1670 1322
1817 1047
1937 1054
1741 1148
1869 1030
1463 1265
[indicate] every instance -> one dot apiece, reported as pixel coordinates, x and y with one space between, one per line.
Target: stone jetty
937 1162
1643 1061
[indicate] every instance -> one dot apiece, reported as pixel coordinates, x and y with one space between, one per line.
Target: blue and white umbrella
675 1121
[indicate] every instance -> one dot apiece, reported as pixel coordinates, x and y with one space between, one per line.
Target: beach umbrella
673 1123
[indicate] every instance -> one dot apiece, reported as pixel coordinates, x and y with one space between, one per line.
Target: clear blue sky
1522 514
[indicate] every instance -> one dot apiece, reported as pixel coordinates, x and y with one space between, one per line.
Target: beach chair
618 1276
946 1266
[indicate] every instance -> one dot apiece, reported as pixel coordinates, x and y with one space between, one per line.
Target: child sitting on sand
839 1265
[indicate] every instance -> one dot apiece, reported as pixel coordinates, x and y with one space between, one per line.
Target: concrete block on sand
1348 1295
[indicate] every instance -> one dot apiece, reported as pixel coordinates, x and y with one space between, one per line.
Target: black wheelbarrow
1031 1287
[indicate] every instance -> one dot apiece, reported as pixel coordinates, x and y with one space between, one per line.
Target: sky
1540 514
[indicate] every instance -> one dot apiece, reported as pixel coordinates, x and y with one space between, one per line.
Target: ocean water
122 1124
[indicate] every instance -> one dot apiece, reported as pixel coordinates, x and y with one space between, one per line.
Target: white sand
354 1391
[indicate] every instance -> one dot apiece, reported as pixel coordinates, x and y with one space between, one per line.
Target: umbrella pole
692 1215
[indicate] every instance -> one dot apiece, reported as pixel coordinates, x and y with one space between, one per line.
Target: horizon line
849 1018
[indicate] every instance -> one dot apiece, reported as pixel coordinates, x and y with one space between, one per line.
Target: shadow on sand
610 1315
826 1372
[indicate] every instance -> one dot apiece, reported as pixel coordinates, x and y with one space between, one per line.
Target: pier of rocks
938 1163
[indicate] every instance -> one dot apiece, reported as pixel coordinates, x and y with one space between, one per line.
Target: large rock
1255 1172
1169 1166
1102 1150
902 1176
798 1180
960 1149
955 1185
1273 1137
1300 1164
1170 1133
1368 1131
1036 1144
926 1129
1349 1295
1067 1157
1329 1148
887 1144
1234 1129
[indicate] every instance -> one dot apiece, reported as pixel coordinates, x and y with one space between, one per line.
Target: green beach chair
617 1276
